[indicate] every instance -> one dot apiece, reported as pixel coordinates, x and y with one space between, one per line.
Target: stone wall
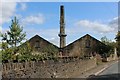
63 68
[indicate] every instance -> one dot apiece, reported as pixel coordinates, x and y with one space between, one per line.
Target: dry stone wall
64 68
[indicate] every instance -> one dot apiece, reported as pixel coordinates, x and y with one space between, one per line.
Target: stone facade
86 46
39 44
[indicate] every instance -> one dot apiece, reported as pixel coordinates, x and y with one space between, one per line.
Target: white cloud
7 10
19 16
16 0
54 40
23 6
33 19
48 33
95 26
115 23
0 29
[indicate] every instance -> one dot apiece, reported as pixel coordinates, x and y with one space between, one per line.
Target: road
0 75
0 71
110 73
113 69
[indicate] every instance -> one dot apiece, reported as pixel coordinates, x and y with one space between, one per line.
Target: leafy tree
6 54
118 42
110 46
47 53
0 57
24 52
50 52
105 40
4 45
0 51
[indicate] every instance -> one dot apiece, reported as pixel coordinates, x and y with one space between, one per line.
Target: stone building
39 44
85 46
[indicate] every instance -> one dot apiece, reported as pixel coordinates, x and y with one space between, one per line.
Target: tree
105 40
15 34
47 53
110 45
24 52
0 52
12 38
12 51
118 42
50 52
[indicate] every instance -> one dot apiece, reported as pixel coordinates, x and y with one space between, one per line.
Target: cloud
54 40
7 10
33 19
48 33
23 6
16 0
96 26
83 26
115 23
0 29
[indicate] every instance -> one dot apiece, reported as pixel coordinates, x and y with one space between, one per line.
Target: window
87 43
37 44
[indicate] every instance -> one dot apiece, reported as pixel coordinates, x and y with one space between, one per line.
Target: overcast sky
95 18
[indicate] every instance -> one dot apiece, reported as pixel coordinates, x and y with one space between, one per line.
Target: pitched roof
37 36
83 37
68 44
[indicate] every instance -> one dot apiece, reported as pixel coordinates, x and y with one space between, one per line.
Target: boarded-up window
87 43
37 44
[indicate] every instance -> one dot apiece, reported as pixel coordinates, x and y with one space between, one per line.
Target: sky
42 18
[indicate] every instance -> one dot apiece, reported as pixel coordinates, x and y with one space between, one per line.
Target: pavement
113 69
0 75
97 70
112 72
0 71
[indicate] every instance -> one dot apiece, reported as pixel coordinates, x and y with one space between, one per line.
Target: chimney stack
62 34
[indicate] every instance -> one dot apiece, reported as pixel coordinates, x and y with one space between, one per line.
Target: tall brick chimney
62 34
